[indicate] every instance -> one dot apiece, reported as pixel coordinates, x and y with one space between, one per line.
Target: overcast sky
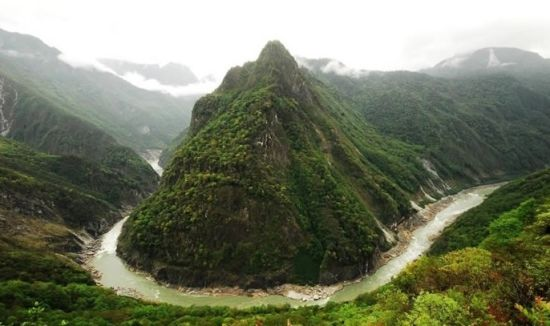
211 36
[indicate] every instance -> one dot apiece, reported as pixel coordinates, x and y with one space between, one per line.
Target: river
115 274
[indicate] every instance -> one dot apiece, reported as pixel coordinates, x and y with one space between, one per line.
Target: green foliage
43 126
170 150
436 309
538 315
69 172
509 225
471 129
79 193
472 227
470 268
29 266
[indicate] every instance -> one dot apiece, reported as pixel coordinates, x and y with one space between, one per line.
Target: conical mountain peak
274 52
276 67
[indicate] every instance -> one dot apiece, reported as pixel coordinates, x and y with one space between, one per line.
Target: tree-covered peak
275 67
274 52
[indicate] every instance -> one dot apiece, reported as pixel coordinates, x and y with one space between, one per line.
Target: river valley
111 272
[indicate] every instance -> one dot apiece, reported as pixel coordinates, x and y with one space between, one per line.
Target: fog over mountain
372 36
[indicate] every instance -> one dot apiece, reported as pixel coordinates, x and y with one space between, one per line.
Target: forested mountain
170 150
476 225
532 70
474 128
279 180
57 201
134 117
36 121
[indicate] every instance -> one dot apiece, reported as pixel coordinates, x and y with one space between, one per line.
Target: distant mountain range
173 74
134 117
490 60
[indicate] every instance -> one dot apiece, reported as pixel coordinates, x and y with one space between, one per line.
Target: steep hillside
471 129
278 181
52 199
168 153
134 117
37 122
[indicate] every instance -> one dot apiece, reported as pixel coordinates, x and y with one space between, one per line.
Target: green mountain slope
46 127
278 181
471 129
64 192
168 153
134 117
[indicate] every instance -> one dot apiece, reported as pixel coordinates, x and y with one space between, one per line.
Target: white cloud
210 36
332 66
84 63
340 69
202 87
205 85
